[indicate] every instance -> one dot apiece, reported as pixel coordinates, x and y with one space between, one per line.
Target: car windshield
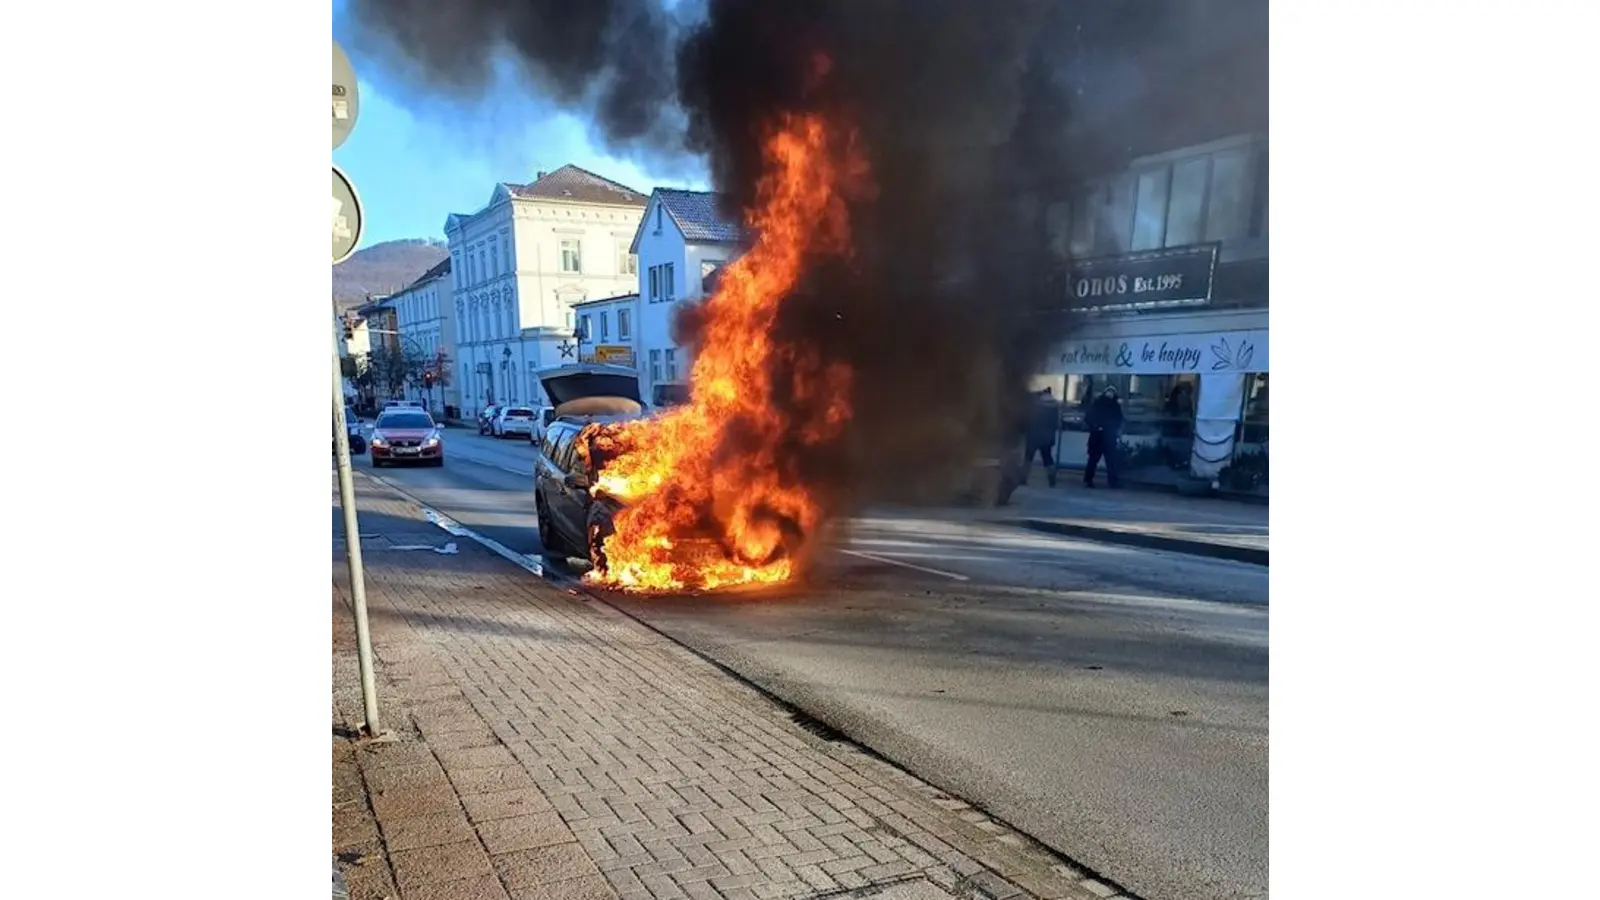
519 413
406 420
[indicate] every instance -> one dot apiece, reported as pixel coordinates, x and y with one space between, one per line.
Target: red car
406 435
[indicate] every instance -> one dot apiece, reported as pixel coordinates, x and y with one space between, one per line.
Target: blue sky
414 163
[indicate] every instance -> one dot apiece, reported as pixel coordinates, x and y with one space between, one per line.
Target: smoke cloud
972 115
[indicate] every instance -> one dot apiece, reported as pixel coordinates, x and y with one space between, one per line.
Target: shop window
1152 405
1253 420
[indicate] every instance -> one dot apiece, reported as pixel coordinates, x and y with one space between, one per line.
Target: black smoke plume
965 111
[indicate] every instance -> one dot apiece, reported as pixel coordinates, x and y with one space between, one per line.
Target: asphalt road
1109 701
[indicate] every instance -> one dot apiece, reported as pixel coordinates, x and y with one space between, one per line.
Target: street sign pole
352 551
347 222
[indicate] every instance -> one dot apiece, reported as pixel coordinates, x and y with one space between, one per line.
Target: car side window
563 452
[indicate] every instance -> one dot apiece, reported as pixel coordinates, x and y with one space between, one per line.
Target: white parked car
521 421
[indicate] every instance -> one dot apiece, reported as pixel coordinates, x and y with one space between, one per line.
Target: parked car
352 425
515 420
571 520
406 435
486 418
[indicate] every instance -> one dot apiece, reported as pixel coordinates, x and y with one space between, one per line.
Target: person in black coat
1044 422
1104 421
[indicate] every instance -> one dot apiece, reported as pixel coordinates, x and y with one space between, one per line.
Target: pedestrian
1044 422
1104 421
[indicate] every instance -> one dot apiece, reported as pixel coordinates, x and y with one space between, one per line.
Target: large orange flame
711 501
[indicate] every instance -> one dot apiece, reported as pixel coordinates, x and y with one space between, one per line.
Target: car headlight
378 441
432 441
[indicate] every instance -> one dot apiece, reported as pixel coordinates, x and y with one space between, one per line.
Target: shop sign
1216 351
1177 276
616 354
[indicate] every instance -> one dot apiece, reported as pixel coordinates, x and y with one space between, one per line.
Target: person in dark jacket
1104 421
1044 422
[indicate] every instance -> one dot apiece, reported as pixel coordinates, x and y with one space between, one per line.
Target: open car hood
591 384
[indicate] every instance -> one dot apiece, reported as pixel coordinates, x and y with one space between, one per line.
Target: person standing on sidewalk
1044 422
1104 421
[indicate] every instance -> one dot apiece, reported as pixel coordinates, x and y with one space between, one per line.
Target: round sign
346 217
345 99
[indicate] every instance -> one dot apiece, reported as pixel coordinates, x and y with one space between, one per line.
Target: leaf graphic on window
1223 353
1247 352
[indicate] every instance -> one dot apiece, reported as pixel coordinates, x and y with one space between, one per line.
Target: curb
1233 552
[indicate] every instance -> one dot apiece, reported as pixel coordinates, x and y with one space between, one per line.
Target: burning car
573 517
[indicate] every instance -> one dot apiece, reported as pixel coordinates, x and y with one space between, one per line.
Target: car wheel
547 533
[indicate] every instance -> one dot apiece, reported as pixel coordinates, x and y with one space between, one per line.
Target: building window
672 364
1186 208
1113 230
571 257
655 365
583 328
655 283
1227 207
1150 210
1258 199
483 264
624 327
658 218
569 320
669 283
627 263
605 326
494 257
505 242
1084 209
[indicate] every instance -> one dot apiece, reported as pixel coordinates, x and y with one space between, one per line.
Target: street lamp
505 371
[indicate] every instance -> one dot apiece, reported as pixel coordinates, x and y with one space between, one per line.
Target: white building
425 316
680 241
520 265
607 330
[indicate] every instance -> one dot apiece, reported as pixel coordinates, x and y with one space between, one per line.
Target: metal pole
352 549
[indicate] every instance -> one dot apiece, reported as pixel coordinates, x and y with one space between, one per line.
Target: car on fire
406 434
572 520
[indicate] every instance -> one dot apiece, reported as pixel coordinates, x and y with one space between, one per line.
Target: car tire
548 539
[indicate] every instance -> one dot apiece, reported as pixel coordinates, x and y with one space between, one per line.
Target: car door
570 511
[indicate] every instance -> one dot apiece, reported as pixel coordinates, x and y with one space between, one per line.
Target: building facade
681 242
519 267
1166 300
607 330
424 314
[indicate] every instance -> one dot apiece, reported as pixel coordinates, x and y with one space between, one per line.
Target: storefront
1192 378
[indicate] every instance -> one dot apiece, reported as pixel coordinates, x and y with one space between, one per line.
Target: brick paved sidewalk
548 746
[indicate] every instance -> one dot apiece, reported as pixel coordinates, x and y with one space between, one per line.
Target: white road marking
527 562
898 562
